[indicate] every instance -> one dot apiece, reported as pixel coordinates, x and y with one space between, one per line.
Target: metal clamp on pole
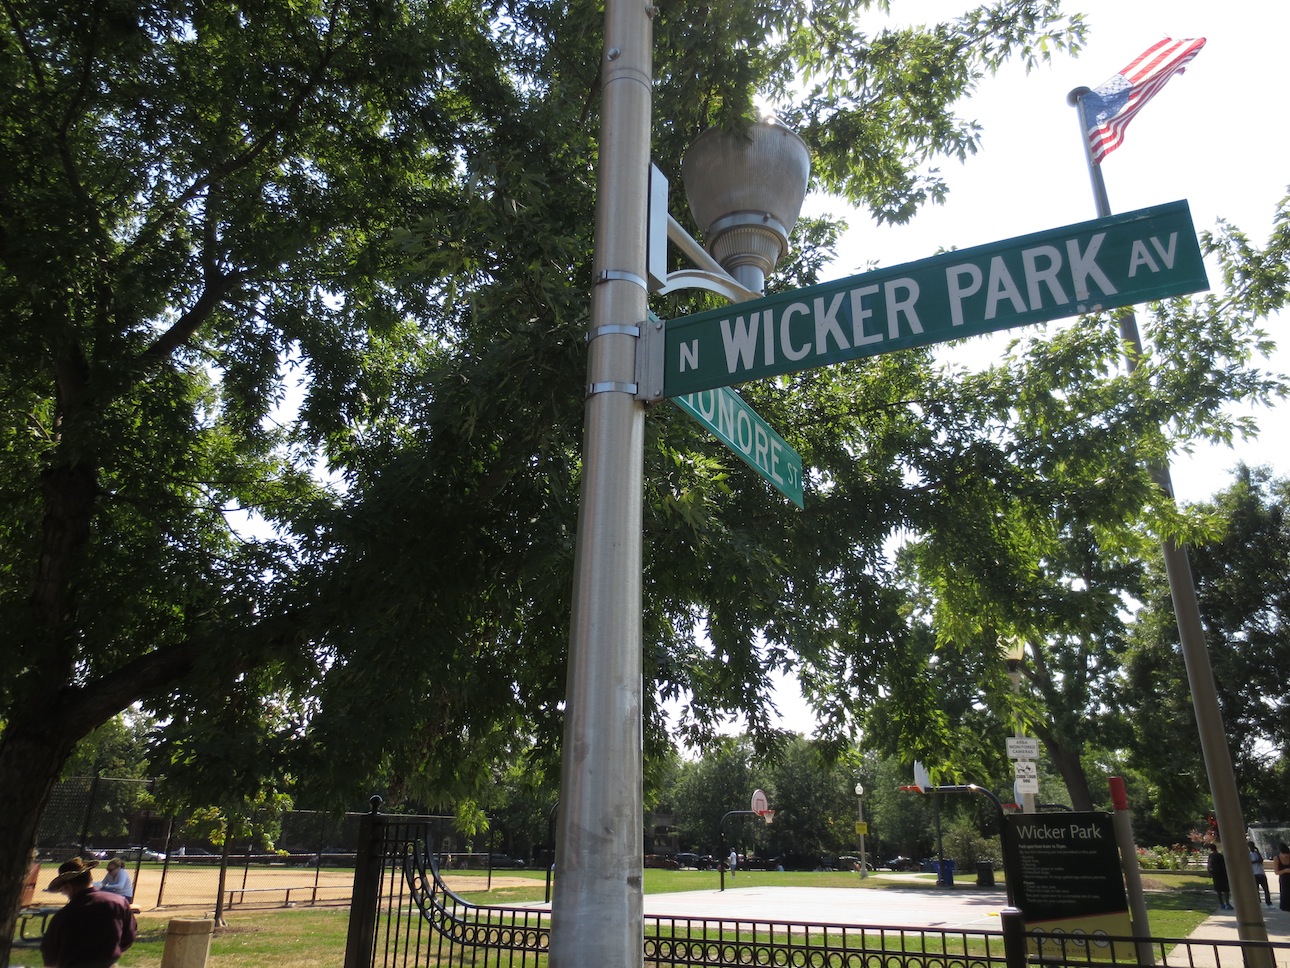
621 275
614 329
610 386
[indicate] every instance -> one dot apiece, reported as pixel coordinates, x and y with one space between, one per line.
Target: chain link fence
104 817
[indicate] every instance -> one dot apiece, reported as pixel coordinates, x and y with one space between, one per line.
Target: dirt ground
195 887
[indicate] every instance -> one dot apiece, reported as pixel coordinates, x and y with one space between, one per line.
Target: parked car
797 861
338 857
195 856
901 863
702 862
505 860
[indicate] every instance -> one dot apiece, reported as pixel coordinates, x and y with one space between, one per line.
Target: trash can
188 943
945 873
984 874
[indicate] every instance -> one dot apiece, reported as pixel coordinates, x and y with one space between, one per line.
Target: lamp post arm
719 282
708 275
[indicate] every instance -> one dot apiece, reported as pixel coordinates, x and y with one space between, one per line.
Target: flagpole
1250 926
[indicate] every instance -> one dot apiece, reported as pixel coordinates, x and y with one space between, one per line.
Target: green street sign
1102 264
740 428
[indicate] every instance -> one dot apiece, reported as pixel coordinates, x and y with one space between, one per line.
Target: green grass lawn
315 937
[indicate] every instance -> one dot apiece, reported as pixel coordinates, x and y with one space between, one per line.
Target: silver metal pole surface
597 908
1191 636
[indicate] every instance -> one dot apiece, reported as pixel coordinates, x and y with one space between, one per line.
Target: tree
199 198
813 796
1242 579
485 461
118 748
708 788
1057 509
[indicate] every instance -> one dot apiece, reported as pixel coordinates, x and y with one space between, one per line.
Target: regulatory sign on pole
1102 264
740 428
1023 747
1027 776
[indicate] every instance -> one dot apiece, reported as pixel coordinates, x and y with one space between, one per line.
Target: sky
1215 136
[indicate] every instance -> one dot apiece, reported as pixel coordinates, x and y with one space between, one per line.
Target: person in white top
1260 875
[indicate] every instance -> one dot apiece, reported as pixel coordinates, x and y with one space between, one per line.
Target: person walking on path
1217 866
1281 867
1260 875
94 928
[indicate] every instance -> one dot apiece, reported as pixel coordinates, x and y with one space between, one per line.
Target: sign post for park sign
1089 267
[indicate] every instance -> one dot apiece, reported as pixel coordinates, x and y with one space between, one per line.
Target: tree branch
192 320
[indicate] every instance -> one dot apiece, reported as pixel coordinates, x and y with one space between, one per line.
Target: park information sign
1103 264
742 429
1065 872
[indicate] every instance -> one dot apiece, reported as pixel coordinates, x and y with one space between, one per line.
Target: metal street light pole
597 909
860 828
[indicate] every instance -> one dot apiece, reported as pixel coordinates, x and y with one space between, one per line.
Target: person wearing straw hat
93 929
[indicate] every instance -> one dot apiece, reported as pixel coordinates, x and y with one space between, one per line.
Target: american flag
1109 109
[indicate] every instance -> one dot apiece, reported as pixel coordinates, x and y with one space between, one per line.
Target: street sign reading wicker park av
1103 264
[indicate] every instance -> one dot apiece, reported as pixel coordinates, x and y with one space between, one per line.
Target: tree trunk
223 877
1071 769
48 718
32 754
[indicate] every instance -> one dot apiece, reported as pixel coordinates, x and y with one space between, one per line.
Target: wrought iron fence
403 915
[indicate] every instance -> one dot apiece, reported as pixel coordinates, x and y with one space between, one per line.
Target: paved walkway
1222 926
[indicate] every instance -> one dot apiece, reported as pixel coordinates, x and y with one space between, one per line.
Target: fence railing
403 914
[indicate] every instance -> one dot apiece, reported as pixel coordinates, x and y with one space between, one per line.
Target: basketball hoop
767 815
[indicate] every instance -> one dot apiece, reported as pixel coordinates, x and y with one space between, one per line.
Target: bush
1174 858
964 843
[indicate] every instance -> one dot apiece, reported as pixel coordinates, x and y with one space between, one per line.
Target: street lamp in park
1014 653
598 904
745 190
861 829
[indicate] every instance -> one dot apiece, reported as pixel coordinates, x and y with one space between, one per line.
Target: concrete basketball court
937 908
907 905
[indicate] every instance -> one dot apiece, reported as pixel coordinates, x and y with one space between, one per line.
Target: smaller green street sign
740 428
1093 266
